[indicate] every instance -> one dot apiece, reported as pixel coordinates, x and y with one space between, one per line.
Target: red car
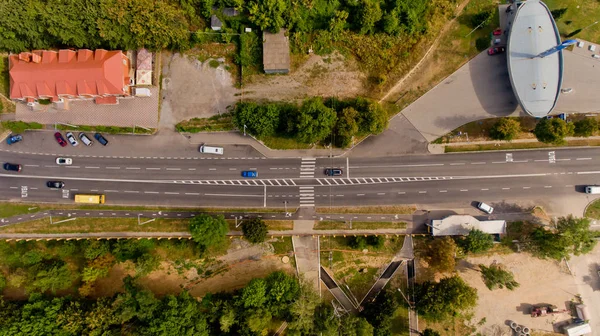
497 32
496 50
59 138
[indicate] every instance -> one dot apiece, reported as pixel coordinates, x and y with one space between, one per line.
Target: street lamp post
244 130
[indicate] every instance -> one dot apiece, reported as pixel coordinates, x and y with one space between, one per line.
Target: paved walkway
307 251
337 292
440 148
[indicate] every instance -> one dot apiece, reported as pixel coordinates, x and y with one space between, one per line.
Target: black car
333 172
55 184
12 166
101 139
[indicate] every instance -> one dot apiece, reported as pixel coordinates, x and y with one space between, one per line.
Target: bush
553 130
214 63
208 231
477 241
586 127
481 18
361 242
482 43
496 276
21 126
445 299
255 230
505 129
558 13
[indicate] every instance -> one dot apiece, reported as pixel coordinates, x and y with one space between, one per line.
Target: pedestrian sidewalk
440 148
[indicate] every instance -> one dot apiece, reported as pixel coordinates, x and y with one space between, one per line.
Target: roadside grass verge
384 209
275 142
221 122
20 126
8 209
345 225
501 145
593 210
272 225
106 129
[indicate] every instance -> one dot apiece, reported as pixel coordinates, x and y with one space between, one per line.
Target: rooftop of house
276 52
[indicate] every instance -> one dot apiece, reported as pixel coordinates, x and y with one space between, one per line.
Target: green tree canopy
379 312
586 127
576 232
553 130
430 332
440 254
477 241
505 129
267 14
254 295
315 120
449 297
207 230
495 276
255 230
346 127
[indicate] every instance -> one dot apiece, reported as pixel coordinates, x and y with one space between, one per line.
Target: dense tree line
314 121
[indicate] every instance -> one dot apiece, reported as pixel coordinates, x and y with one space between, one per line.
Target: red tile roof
50 74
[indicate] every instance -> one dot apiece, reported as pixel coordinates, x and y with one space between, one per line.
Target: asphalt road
196 180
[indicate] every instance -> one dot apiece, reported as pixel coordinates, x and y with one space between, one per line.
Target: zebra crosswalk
307 196
307 168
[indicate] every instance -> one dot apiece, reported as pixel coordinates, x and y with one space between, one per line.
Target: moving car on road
496 50
250 173
64 161
102 140
485 208
84 138
72 139
14 139
55 184
59 138
12 166
333 172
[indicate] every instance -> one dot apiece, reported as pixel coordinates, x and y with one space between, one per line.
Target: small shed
215 23
578 329
143 69
276 53
461 225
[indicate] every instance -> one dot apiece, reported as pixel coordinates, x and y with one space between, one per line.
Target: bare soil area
325 76
541 281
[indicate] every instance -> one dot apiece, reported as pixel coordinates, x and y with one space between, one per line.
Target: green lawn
20 126
82 225
342 225
106 129
579 14
221 122
593 210
4 78
501 145
383 209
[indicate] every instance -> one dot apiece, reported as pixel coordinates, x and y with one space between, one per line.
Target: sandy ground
541 281
324 76
587 281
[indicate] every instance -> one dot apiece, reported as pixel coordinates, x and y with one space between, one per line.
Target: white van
211 150
592 190
485 208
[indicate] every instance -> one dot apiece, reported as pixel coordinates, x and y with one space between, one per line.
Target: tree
440 254
373 118
577 234
482 43
337 24
302 311
430 332
208 231
558 13
2 282
315 120
255 230
52 276
477 241
379 312
260 120
346 127
178 315
325 320
481 18
356 326
449 297
496 276
586 127
282 290
267 14
258 321
254 294
553 130
505 129
370 14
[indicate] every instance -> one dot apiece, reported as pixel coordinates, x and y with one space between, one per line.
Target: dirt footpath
541 281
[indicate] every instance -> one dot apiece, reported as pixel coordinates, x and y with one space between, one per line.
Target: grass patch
579 14
282 245
272 225
4 77
501 145
21 126
84 225
593 210
387 209
345 225
106 129
214 63
275 142
221 122
480 130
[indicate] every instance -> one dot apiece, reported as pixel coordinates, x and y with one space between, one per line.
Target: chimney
36 58
25 57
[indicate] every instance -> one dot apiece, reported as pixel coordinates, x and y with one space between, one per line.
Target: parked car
333 172
101 139
59 138
250 173
55 184
497 32
496 50
14 139
12 166
485 208
84 138
64 161
72 139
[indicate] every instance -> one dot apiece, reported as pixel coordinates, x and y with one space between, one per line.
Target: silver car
72 139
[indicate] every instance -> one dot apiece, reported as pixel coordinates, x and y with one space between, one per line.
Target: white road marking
150 192
521 161
464 189
173 168
443 191
194 194
132 168
360 194
91 167
422 192
171 193
457 164
113 167
579 159
380 193
76 167
212 168
547 186
526 187
505 188
152 168
31 165
233 195
485 189
131 191
401 166
477 163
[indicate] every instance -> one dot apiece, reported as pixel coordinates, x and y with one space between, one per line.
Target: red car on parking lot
497 32
496 50
59 138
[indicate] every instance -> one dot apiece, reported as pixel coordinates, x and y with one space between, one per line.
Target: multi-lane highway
201 180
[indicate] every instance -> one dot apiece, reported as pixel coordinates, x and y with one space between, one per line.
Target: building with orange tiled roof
82 74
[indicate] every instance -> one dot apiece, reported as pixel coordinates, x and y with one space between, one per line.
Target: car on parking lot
101 139
84 138
333 172
497 32
64 161
14 139
485 208
59 138
12 166
250 173
496 50
55 184
72 139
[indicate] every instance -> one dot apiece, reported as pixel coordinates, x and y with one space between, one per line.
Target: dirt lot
324 76
541 281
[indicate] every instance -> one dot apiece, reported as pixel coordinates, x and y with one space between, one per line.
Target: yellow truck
89 199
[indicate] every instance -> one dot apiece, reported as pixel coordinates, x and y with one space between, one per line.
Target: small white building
461 225
578 329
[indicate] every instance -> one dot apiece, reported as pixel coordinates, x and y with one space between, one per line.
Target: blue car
250 173
14 139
